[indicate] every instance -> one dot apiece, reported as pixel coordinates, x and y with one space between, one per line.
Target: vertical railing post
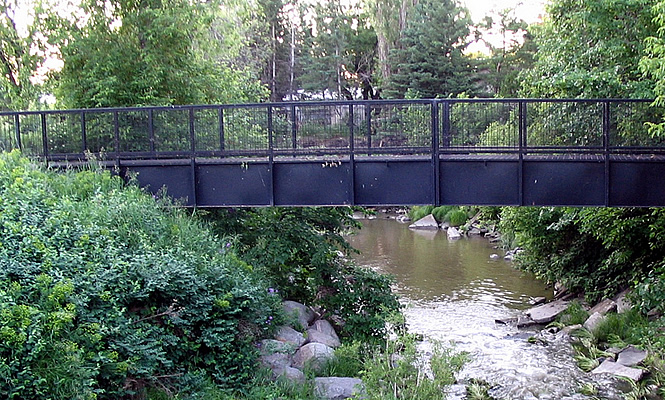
436 173
522 147
368 117
446 123
116 137
271 158
84 134
17 131
151 130
44 137
294 129
352 157
220 117
192 160
606 149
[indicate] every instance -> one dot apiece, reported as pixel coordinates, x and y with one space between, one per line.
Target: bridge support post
352 157
522 148
606 149
436 164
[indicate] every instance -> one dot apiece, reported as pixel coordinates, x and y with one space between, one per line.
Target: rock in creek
547 312
593 321
427 222
614 368
604 307
453 233
630 356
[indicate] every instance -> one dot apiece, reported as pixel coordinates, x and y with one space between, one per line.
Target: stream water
454 291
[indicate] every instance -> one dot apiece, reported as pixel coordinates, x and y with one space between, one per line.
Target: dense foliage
105 292
298 251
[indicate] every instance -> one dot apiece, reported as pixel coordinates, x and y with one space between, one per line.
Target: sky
528 10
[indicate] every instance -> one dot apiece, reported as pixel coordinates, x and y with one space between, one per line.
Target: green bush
298 251
441 213
418 212
574 314
105 292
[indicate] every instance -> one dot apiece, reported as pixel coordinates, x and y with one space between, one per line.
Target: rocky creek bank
291 352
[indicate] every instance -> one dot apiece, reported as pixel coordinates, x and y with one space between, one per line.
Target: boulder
494 256
546 313
313 355
289 335
631 356
604 307
303 314
536 301
292 374
323 332
427 222
453 233
614 368
473 231
338 388
403 219
623 304
592 322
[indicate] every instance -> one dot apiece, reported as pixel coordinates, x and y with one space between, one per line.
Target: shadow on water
454 291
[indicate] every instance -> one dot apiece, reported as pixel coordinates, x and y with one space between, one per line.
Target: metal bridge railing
441 126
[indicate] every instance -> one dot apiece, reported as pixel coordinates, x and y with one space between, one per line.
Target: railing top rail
320 103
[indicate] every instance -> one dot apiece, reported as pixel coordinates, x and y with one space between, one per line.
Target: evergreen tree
431 61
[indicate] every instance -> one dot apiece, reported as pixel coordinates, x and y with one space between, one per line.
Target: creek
453 291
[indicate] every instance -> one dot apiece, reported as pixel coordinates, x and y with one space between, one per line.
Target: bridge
544 152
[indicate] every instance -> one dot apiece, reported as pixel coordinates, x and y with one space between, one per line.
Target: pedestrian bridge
372 153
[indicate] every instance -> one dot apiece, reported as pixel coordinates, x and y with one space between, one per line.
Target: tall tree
26 44
653 63
150 52
591 48
431 61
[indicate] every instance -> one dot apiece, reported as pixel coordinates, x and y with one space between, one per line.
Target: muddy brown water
453 291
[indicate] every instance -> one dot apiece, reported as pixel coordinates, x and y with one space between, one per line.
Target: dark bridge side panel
569 183
320 183
639 184
176 179
480 183
387 182
236 184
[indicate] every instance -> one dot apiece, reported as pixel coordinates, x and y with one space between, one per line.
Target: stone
567 330
506 321
289 335
623 304
546 313
593 321
323 332
453 233
403 219
314 336
525 322
427 222
338 388
275 355
292 374
313 355
605 306
303 314
494 256
276 361
614 368
631 356
271 346
538 301
473 231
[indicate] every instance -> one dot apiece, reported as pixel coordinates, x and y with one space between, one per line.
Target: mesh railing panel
64 133
630 125
482 125
206 130
31 135
171 130
133 129
99 132
246 129
565 124
8 133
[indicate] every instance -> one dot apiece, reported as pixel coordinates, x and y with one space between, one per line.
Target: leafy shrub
441 213
298 251
105 292
418 212
574 314
457 217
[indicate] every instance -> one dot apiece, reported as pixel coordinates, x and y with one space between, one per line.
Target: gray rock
473 231
525 322
403 219
453 233
323 332
313 355
567 330
338 388
623 304
614 368
592 322
289 335
506 321
494 256
604 307
630 356
292 374
546 313
314 336
427 222
271 346
275 355
303 314
536 301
